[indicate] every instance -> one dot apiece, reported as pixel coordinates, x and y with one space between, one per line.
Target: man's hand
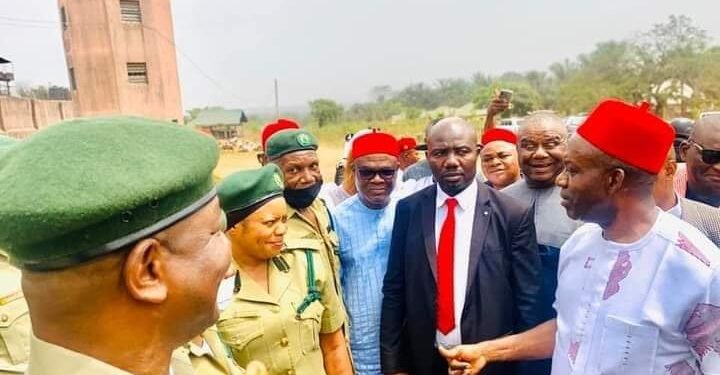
465 359
497 106
256 368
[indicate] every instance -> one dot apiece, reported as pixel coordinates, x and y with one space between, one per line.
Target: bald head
543 121
454 125
706 129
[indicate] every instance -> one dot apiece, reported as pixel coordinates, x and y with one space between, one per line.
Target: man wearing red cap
499 158
408 153
271 128
639 291
364 224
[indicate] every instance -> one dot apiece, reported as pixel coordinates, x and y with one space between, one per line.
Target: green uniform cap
288 141
88 187
243 192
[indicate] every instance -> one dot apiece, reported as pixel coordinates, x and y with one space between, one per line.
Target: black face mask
302 198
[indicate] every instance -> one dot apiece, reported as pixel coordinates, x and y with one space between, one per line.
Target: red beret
274 127
375 143
496 134
630 134
407 143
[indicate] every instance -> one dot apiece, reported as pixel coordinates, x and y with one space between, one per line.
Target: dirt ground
232 161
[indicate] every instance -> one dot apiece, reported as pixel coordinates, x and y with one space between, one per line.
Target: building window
130 11
71 76
63 18
137 73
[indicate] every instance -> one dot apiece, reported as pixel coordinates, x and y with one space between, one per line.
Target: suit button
291 372
4 318
284 342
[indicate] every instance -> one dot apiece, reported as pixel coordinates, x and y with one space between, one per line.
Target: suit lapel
481 223
428 228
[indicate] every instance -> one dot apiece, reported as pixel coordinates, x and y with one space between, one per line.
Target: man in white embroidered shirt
638 288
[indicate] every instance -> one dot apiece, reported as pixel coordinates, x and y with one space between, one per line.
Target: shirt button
4 318
284 342
291 372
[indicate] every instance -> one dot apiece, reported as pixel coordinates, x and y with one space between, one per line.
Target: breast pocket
627 348
242 332
309 323
15 331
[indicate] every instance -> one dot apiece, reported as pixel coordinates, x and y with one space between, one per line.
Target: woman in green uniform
284 311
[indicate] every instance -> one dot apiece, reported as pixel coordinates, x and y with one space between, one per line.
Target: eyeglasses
369 174
710 157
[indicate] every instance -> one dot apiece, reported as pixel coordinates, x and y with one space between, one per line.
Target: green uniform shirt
14 322
265 327
298 227
210 359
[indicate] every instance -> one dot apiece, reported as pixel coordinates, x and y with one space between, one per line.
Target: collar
466 198
676 210
48 359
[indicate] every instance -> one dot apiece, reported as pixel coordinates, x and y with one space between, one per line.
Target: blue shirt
364 247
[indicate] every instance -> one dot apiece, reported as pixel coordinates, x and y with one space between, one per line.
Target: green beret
84 188
243 192
288 141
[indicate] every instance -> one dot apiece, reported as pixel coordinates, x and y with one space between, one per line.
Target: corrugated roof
212 117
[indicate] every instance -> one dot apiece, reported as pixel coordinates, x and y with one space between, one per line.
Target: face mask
302 198
225 293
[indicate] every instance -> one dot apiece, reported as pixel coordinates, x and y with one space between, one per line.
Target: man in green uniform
295 153
14 317
118 232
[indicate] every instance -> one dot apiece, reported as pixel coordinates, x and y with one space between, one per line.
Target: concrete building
121 58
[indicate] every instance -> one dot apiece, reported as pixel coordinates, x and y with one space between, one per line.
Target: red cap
493 135
375 143
407 143
274 127
630 134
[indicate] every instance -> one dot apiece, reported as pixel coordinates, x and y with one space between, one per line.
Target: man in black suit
463 264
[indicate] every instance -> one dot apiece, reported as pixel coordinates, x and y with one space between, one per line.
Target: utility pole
277 105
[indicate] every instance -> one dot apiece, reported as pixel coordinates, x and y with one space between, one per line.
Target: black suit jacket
502 288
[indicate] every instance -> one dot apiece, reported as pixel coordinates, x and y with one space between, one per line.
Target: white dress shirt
651 307
464 217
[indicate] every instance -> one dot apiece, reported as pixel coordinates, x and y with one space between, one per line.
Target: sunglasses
369 174
710 157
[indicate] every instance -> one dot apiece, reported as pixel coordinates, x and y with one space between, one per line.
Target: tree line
673 66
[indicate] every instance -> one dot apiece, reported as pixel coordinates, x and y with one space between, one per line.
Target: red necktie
445 261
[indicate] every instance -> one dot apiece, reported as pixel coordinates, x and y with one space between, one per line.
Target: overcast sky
340 49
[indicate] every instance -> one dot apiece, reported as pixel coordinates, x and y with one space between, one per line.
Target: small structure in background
225 125
7 75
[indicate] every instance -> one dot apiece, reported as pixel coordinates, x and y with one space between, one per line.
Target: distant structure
121 58
6 76
220 123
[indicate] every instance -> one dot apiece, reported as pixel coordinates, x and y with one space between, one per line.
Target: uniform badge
303 140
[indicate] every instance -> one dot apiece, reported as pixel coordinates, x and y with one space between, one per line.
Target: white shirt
649 307
464 217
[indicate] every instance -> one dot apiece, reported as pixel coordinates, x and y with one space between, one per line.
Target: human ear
615 180
144 273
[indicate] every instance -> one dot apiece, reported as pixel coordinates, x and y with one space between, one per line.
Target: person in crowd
455 246
638 292
496 106
420 171
701 216
271 128
334 194
207 355
295 153
364 224
542 145
118 239
285 311
408 154
683 127
15 325
699 178
499 158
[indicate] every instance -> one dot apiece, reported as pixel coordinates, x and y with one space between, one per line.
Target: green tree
325 111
